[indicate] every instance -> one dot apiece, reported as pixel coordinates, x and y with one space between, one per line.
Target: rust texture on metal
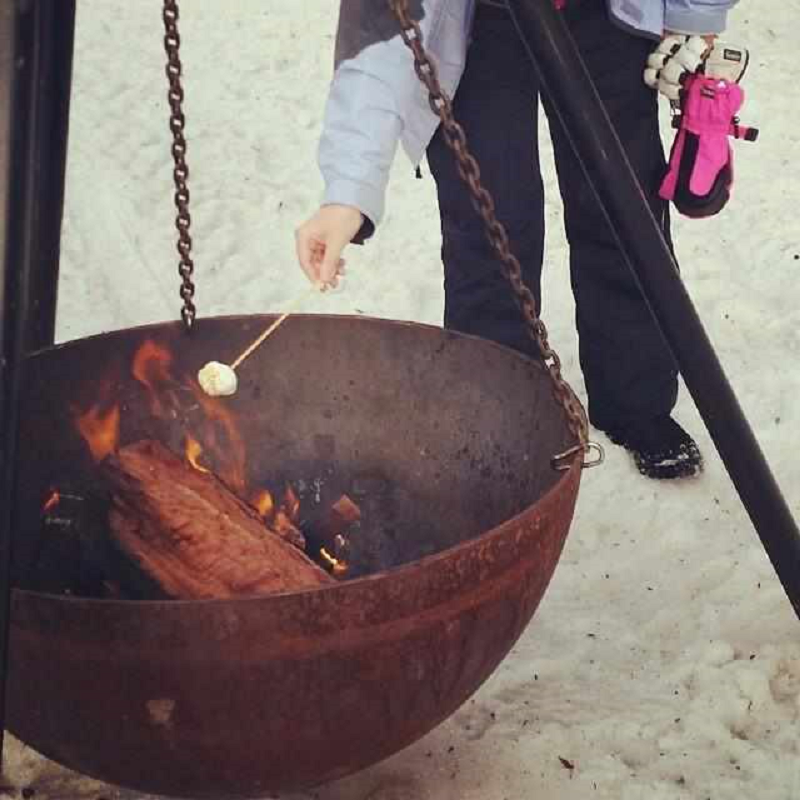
237 698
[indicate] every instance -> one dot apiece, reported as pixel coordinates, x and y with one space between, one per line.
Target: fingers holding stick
319 244
321 240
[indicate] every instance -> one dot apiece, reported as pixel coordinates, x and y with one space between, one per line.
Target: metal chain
177 124
482 201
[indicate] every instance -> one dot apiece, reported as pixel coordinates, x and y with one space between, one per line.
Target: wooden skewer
218 380
293 303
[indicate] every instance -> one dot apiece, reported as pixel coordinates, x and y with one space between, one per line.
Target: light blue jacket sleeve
367 106
697 16
359 139
376 101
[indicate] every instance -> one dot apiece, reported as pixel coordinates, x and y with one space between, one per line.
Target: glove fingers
673 72
651 78
688 59
670 90
696 45
676 57
657 60
671 44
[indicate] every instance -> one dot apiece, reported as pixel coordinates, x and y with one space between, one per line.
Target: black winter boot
660 447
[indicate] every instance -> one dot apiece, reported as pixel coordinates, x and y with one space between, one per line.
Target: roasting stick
219 380
261 339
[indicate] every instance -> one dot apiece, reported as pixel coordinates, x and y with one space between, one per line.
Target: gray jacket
376 100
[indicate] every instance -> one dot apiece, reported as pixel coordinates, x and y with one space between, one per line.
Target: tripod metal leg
36 45
595 142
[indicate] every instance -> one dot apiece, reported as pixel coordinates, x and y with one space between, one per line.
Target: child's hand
321 240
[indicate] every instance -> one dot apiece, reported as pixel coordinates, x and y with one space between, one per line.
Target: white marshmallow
217 380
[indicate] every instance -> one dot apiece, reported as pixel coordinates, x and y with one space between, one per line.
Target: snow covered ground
664 662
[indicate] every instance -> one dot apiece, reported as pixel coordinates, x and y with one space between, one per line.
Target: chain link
177 124
482 201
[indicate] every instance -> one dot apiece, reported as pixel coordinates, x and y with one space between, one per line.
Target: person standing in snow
376 101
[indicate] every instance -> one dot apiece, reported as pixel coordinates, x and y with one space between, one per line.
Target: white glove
679 56
675 58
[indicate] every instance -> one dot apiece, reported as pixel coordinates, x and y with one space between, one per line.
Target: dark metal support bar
575 99
45 39
36 45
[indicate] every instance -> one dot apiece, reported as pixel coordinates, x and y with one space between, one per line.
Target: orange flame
100 429
210 428
281 522
290 504
221 441
284 518
221 436
151 367
263 503
193 452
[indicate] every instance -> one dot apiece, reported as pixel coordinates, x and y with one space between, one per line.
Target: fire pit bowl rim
268 317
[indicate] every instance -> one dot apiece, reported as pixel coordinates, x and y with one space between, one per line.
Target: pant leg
496 103
628 369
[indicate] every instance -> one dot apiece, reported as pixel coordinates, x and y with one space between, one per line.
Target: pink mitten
700 174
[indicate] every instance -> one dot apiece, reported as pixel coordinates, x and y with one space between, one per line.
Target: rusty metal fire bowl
451 435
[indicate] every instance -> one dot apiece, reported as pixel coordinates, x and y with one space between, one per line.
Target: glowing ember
338 567
52 501
100 429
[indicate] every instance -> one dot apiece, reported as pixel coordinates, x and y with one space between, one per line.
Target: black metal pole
36 45
45 33
575 100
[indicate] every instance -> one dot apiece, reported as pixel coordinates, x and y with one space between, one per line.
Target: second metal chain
482 201
177 124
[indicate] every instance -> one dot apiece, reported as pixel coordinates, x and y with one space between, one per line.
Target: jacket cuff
364 232
367 199
696 22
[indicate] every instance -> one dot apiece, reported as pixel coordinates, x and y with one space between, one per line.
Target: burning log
190 533
282 526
